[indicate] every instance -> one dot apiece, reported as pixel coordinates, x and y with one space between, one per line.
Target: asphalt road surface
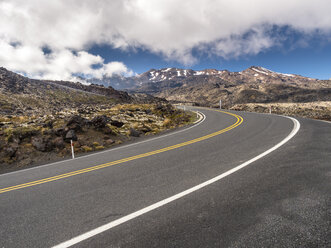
233 180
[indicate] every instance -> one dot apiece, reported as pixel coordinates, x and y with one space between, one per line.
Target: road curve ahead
235 179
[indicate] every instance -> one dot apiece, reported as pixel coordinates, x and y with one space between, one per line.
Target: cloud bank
50 39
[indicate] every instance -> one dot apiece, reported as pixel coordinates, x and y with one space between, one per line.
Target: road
233 180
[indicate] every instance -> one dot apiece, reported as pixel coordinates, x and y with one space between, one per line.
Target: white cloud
171 28
58 65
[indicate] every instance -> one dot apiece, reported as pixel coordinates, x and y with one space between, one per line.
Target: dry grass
19 132
95 144
314 110
99 148
86 149
167 122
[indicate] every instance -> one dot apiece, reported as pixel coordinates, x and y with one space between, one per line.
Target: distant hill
19 94
206 87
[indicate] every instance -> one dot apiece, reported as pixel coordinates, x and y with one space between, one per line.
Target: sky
64 39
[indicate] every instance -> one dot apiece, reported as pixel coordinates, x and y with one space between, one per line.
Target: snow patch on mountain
260 71
286 75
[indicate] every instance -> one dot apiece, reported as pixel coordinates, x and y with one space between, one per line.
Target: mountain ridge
19 94
171 73
253 85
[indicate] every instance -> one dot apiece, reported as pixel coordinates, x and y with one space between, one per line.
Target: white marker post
184 108
72 149
220 104
270 110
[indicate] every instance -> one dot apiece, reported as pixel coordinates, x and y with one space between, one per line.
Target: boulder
100 121
49 144
58 142
77 123
133 132
38 143
48 124
71 135
116 123
10 151
59 132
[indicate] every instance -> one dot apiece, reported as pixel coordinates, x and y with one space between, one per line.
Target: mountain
19 94
152 76
116 81
206 87
40 118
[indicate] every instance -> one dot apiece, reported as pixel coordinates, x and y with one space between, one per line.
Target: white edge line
200 117
111 149
161 203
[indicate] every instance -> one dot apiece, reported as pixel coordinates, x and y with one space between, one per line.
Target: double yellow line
239 120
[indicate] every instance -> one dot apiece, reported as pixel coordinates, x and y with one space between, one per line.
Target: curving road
233 180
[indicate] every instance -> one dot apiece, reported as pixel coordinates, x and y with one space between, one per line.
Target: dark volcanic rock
134 133
11 151
58 142
71 135
77 123
39 144
100 121
60 131
48 124
116 123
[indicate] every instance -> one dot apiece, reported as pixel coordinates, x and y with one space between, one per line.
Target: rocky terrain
28 140
314 110
205 88
21 95
39 118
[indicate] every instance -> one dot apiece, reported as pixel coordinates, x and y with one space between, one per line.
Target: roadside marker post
220 104
270 110
72 149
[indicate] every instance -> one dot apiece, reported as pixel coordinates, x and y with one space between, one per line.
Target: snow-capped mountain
152 76
171 75
175 73
206 87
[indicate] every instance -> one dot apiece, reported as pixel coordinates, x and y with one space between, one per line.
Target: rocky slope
28 140
38 118
314 110
253 85
22 95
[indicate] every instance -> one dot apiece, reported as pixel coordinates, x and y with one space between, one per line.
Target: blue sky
96 38
310 57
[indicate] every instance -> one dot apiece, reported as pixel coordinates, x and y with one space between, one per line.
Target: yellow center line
97 167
